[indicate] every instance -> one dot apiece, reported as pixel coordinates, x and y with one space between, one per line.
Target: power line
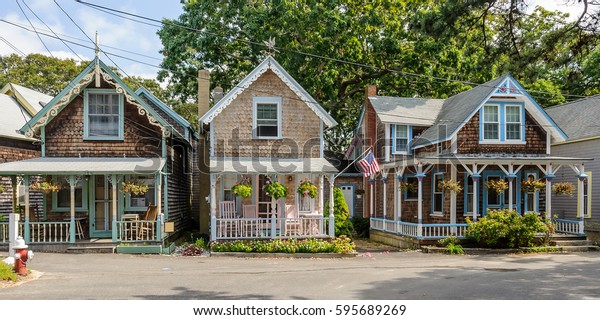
21 53
17 1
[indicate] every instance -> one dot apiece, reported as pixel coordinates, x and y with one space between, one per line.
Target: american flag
368 165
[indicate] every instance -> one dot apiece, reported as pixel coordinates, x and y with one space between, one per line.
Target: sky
115 33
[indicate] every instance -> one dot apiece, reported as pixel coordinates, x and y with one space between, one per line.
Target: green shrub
361 226
505 229
7 272
453 248
343 226
448 241
342 244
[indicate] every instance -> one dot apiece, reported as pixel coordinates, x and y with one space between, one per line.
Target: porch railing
423 231
49 232
269 228
569 226
137 230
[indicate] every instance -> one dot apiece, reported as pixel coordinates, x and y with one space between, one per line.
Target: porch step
570 243
579 248
92 249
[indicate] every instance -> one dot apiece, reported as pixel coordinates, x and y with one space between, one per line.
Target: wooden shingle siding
468 139
178 127
300 125
179 186
15 150
64 136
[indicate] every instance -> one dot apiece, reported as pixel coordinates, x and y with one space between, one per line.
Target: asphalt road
395 276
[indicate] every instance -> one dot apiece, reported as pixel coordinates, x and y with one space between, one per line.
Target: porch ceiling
490 159
271 165
82 166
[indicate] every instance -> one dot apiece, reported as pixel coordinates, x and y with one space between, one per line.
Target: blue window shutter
410 137
523 122
393 135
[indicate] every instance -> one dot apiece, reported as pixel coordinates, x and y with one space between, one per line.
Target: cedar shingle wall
179 188
14 150
300 125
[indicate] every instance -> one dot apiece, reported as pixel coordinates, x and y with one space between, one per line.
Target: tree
343 225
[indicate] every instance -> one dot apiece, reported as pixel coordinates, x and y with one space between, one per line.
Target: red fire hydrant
22 255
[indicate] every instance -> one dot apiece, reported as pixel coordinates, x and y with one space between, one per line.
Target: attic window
266 118
103 115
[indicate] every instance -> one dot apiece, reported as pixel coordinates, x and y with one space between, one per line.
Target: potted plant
307 189
450 185
532 185
134 187
242 189
45 186
563 188
275 189
498 185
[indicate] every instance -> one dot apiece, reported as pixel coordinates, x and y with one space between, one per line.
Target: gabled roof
578 119
13 117
143 92
458 110
416 111
32 101
96 70
268 64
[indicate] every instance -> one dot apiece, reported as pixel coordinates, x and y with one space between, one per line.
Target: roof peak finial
97 49
270 44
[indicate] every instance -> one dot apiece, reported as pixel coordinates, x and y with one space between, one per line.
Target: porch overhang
487 160
82 166
271 165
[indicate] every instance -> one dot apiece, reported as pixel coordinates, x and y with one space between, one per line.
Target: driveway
372 275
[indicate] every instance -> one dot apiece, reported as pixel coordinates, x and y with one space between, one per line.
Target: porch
78 199
428 212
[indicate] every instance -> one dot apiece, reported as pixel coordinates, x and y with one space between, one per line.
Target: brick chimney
203 92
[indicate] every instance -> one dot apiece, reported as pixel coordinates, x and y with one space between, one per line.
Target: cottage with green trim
492 141
115 164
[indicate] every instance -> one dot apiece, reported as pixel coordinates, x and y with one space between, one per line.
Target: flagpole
351 163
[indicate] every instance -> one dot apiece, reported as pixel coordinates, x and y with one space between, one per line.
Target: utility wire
17 1
21 53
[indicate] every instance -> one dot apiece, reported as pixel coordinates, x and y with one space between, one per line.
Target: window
401 138
493 197
490 123
267 118
412 193
468 194
587 196
103 115
531 197
513 123
143 200
61 200
438 194
228 183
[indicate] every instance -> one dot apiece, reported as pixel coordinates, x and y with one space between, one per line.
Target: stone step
561 243
578 248
92 249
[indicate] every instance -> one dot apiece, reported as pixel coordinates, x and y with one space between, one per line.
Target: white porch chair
293 225
229 226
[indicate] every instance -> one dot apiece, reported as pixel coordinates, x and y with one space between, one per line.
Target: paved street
396 275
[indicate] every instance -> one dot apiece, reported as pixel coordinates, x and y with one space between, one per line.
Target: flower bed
337 245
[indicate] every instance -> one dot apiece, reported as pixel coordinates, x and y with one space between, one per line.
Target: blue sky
115 33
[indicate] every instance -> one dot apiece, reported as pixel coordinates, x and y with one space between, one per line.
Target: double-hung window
401 138
139 202
513 122
438 194
491 124
103 112
266 122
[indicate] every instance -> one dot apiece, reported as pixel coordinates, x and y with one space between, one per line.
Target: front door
101 213
348 192
492 199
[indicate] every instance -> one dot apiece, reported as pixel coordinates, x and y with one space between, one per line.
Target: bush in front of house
361 226
341 244
7 272
506 229
451 244
343 226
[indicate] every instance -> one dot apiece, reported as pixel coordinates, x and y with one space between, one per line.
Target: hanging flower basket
242 189
497 185
531 185
563 188
44 186
135 188
450 185
408 187
307 188
275 190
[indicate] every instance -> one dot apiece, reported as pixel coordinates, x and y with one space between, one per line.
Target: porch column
398 193
384 180
549 176
321 196
453 199
581 179
213 207
27 231
72 184
159 204
331 206
511 177
420 175
475 178
371 192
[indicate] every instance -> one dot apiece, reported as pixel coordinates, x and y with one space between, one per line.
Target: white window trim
589 197
483 139
267 100
433 193
395 135
521 120
86 129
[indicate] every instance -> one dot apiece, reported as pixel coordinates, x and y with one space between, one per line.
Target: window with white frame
266 117
438 194
141 201
228 182
491 123
401 138
469 190
103 114
587 196
513 122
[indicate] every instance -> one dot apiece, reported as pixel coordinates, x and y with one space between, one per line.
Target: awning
492 159
271 165
82 166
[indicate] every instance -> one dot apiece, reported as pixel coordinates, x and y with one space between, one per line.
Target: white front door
348 191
